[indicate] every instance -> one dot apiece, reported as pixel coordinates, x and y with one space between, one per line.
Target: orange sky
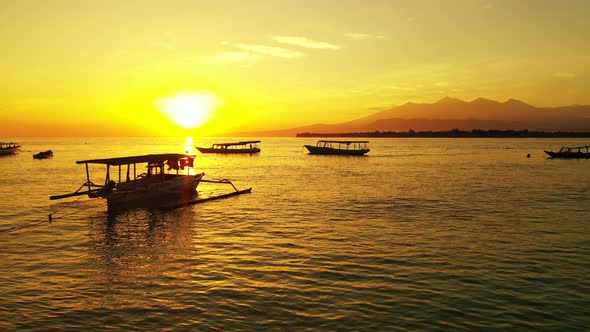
107 68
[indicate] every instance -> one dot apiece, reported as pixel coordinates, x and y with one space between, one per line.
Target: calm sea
420 234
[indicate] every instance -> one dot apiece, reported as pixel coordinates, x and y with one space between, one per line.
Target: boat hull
568 155
228 151
9 150
331 151
43 155
180 188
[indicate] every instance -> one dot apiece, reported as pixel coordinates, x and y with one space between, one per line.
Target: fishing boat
575 152
43 155
9 148
234 147
166 183
129 187
349 148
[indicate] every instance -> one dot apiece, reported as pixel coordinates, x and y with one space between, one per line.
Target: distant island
495 119
455 133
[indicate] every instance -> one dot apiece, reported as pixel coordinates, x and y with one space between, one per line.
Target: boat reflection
136 247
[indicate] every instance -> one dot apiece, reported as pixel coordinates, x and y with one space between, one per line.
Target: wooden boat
43 155
235 147
9 148
575 152
148 189
349 148
162 185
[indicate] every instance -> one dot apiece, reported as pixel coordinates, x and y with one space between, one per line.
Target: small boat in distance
43 155
235 147
134 188
576 152
348 148
9 148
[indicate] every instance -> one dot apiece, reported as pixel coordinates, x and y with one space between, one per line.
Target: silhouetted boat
9 148
235 147
43 155
575 152
147 189
349 148
161 186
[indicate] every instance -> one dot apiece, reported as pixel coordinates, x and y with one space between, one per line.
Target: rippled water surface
420 234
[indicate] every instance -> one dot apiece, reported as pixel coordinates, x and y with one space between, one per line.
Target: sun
189 109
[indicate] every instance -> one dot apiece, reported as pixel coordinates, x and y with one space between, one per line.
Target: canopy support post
87 177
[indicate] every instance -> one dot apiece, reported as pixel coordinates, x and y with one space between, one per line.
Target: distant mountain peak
516 102
409 104
481 100
449 100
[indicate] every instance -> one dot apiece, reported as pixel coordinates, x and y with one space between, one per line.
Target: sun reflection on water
188 145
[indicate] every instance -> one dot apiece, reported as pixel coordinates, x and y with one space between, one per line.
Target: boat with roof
571 152
248 147
348 148
8 148
166 181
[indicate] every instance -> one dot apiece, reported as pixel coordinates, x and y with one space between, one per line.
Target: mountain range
452 113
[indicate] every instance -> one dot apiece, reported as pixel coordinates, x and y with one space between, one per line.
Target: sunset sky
108 68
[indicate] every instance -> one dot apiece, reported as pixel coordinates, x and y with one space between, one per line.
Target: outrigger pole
78 192
88 184
203 200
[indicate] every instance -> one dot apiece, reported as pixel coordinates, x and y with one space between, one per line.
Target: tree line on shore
455 133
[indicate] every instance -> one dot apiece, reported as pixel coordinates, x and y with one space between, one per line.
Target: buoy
528 155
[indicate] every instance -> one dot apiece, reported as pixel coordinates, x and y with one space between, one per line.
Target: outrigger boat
157 187
9 148
575 152
349 148
235 147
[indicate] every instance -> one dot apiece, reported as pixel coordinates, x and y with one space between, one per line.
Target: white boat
9 148
248 147
347 148
569 152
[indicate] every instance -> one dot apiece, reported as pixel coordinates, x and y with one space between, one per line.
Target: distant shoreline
455 133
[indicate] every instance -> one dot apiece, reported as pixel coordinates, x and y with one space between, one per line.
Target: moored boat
576 152
134 188
43 155
9 148
162 185
234 147
349 148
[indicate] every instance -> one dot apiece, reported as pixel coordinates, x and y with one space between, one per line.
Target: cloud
564 75
356 35
238 57
442 84
270 50
305 42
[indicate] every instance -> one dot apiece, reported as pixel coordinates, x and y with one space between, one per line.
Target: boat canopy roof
236 143
344 142
148 158
577 147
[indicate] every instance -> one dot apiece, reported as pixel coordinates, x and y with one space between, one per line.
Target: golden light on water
189 109
188 145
